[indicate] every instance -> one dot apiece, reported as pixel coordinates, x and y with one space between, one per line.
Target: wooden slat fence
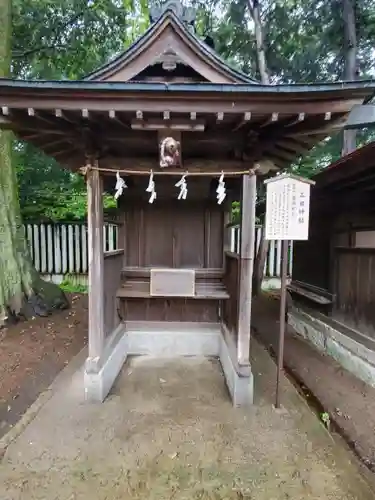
62 248
272 268
59 249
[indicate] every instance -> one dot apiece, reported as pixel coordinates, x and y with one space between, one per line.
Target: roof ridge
169 15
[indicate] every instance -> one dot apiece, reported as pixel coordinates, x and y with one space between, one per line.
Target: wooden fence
272 268
61 249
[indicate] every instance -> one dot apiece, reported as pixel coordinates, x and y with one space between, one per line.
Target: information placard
287 208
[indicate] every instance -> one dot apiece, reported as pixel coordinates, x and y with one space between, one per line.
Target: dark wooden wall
113 262
312 258
231 280
174 234
355 288
172 309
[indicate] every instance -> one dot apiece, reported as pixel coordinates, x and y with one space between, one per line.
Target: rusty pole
280 356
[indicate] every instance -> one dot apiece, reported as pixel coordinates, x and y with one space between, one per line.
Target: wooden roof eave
201 50
157 97
28 101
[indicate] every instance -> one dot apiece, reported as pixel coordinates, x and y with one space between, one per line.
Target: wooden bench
208 284
311 292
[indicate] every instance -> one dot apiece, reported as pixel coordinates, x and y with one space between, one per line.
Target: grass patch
70 286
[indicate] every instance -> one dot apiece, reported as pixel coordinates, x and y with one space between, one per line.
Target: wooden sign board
172 283
287 207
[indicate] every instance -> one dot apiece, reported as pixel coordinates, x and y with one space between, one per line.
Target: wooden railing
230 306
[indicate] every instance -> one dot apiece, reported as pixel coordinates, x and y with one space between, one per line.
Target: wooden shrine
177 134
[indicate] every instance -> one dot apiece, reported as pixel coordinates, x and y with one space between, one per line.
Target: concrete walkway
168 431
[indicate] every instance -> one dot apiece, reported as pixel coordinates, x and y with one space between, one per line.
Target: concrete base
164 341
173 339
239 380
352 354
99 377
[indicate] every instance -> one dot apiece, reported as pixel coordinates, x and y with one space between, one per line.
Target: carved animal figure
169 153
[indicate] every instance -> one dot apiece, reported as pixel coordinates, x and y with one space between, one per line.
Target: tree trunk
254 8
22 292
350 65
261 255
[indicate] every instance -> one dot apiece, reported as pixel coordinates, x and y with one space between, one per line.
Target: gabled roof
169 36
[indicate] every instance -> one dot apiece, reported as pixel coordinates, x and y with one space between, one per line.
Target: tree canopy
66 39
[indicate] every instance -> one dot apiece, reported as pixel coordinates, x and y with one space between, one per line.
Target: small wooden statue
169 153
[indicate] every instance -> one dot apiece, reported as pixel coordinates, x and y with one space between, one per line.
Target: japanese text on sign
287 209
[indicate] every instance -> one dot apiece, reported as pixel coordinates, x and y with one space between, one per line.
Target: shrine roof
170 34
362 88
358 164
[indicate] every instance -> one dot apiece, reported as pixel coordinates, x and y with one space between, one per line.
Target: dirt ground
32 354
349 401
169 431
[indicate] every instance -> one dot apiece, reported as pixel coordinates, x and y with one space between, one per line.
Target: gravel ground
169 431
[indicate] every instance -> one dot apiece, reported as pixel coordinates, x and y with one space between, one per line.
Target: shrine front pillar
246 266
96 337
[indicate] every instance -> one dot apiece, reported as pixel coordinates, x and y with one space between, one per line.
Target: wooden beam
113 116
60 114
244 121
178 124
246 265
284 155
64 152
300 118
272 119
96 266
219 117
131 102
48 145
327 130
188 164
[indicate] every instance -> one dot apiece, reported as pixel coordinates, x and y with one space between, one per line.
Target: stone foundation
326 336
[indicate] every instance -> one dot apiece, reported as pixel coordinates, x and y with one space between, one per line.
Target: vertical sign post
287 219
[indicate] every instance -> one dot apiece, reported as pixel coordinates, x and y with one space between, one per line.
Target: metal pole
280 357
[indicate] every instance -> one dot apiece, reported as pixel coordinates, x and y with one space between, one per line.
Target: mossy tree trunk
22 292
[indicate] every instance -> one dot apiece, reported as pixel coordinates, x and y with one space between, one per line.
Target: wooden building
166 107
334 271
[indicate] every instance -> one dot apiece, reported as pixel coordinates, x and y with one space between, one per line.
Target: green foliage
67 39
70 286
48 192
64 39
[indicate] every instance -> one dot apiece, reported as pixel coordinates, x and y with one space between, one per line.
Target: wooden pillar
246 265
96 264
